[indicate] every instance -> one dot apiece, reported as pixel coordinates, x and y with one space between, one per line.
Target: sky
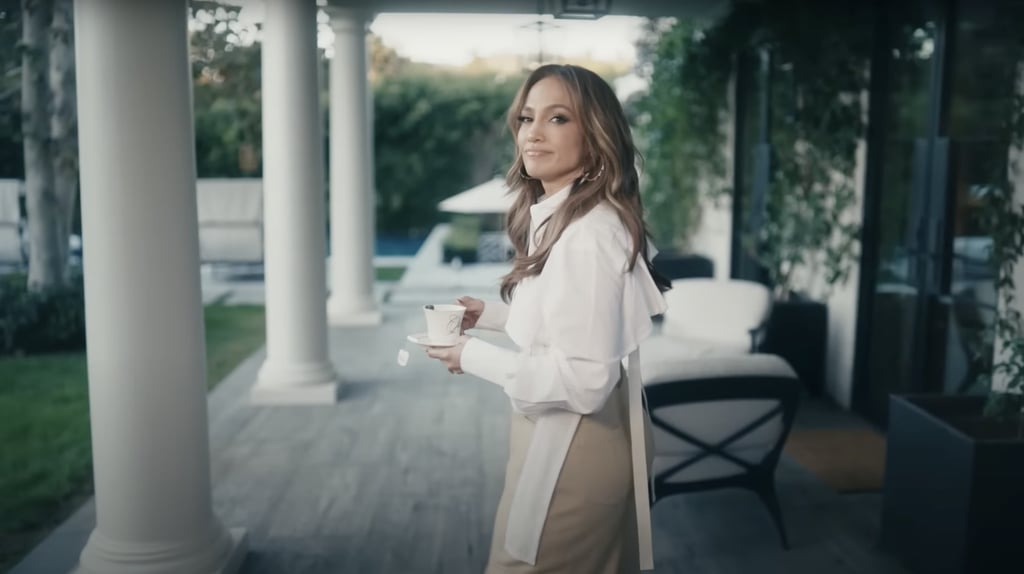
454 39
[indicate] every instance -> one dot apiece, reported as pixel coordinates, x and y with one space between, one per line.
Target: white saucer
421 339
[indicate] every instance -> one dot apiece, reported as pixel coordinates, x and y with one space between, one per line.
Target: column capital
350 20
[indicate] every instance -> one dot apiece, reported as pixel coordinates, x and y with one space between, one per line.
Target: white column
352 191
146 356
297 369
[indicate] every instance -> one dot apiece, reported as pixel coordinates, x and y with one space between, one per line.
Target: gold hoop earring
587 177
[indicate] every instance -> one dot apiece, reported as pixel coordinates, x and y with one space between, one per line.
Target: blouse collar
547 206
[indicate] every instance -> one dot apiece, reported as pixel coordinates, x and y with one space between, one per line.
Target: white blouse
574 324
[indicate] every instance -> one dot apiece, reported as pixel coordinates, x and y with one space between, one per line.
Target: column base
347 315
295 384
103 561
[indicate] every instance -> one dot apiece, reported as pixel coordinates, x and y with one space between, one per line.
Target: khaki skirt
591 523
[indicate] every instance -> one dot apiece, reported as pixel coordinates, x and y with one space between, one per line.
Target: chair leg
766 492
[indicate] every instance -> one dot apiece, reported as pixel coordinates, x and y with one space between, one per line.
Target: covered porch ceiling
699 9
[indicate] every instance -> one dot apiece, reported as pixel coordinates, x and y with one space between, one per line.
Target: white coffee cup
444 323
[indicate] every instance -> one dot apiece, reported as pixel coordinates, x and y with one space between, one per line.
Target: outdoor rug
850 459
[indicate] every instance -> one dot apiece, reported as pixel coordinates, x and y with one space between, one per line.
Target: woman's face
550 137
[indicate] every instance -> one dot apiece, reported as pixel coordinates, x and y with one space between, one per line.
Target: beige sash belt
545 456
641 486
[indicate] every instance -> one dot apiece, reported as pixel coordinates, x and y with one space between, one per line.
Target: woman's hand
474 308
450 357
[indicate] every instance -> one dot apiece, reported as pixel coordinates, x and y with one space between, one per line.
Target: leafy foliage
1005 221
990 102
227 92
465 233
12 164
434 136
41 321
819 56
435 133
680 126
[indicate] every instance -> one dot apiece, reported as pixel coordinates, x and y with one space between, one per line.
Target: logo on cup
443 322
454 321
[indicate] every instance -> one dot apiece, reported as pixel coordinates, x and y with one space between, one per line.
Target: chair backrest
674 264
230 220
725 417
10 222
716 311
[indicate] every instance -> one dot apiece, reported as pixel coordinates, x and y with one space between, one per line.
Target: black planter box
953 501
798 332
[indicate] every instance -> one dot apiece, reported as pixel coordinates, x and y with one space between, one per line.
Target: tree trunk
45 266
63 122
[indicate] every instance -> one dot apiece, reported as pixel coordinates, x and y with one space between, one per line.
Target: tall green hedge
44 321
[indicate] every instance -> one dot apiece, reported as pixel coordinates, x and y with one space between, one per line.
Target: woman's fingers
447 358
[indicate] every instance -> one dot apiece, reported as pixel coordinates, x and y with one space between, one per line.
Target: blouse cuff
489 362
494 316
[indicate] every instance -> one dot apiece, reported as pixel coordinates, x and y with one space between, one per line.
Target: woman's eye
559 119
524 119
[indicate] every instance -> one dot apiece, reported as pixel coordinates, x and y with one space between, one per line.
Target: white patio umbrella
489 197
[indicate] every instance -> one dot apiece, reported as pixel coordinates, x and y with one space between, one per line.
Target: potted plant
802 224
808 235
800 72
795 149
680 127
954 485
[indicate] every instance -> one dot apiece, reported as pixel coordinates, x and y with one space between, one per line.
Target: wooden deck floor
403 476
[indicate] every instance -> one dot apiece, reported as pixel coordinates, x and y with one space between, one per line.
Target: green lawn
389 273
45 459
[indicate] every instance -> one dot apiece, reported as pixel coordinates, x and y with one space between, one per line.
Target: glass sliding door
752 159
914 76
983 104
950 106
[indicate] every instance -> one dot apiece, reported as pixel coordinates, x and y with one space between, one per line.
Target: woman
580 297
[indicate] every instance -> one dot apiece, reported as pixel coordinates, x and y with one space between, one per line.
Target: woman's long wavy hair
609 175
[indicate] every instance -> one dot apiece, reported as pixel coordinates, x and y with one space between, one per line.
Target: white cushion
716 420
230 219
716 311
663 358
715 367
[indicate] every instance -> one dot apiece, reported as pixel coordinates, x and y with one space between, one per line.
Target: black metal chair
674 264
723 424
